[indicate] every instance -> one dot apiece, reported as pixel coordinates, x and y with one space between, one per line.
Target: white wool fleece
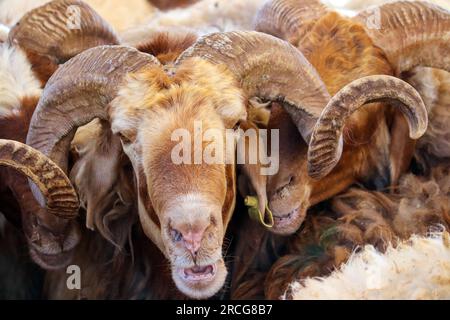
4 30
416 269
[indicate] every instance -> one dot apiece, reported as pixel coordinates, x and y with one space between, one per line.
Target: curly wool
402 272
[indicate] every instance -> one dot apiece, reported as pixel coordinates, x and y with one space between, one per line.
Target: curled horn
325 147
268 68
410 33
61 198
288 18
79 92
59 30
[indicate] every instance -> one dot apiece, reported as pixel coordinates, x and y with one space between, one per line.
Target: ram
373 151
52 250
28 58
335 143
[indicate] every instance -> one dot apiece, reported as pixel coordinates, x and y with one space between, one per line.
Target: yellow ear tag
255 214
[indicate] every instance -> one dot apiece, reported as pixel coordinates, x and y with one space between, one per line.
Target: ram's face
176 141
289 190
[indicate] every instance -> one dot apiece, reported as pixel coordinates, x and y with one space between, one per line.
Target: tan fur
434 86
166 45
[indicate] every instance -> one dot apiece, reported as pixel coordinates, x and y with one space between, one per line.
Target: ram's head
359 134
32 51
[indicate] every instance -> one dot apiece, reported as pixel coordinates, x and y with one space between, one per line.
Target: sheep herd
277 149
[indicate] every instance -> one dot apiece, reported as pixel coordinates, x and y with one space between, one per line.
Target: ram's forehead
196 83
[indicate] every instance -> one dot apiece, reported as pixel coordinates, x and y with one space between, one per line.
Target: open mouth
200 281
199 273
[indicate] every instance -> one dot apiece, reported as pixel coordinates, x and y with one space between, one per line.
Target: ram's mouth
286 219
198 273
289 223
200 281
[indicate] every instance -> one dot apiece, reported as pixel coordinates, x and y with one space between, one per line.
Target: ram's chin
200 282
51 262
287 224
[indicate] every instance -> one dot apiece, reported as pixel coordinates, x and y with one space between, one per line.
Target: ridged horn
325 147
268 68
60 197
410 33
287 18
78 92
59 30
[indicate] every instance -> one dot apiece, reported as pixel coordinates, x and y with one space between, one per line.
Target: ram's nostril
176 235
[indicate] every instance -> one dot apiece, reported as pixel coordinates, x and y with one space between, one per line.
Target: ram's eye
123 138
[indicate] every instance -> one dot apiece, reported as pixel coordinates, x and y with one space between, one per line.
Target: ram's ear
97 159
401 148
251 181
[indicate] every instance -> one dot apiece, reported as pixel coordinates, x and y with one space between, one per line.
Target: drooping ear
97 153
230 199
251 181
401 149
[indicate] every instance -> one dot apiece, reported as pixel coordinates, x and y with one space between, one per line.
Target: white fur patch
416 269
16 79
209 16
4 31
